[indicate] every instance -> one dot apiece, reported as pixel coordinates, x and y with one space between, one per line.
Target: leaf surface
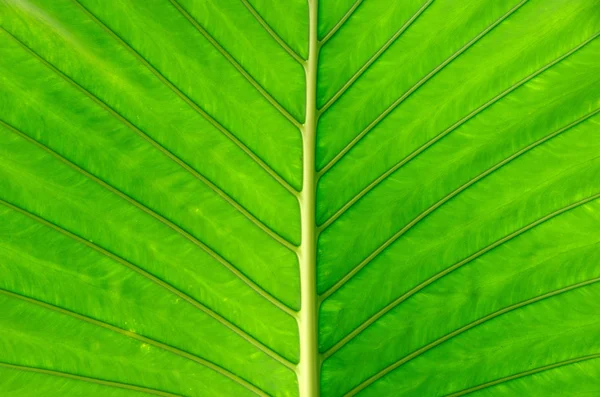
299 198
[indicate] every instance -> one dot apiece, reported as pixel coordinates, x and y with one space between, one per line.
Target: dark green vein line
363 385
340 23
415 87
448 270
101 382
156 216
374 57
447 198
524 374
143 339
283 111
447 131
149 276
273 34
160 148
261 163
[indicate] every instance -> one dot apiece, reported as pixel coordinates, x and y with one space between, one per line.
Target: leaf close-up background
299 198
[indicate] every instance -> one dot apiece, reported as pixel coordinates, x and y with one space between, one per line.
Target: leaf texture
299 198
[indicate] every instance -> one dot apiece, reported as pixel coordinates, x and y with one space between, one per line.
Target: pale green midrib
190 102
268 97
251 284
340 23
156 280
273 34
466 328
374 57
371 320
415 87
447 198
141 338
101 382
447 131
308 370
524 374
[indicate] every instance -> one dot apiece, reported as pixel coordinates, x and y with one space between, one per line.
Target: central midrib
309 366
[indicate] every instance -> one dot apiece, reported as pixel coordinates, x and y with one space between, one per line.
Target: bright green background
149 152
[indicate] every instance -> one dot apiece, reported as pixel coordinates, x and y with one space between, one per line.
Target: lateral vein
373 58
340 23
271 233
448 270
190 102
129 334
524 374
283 111
272 33
366 383
415 87
447 131
126 386
149 276
447 198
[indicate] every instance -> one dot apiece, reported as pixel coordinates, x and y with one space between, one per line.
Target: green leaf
299 198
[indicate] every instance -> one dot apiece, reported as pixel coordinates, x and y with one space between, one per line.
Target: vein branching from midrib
196 107
447 198
369 381
126 386
154 279
236 65
524 374
447 131
273 34
176 160
141 338
371 320
415 87
190 102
